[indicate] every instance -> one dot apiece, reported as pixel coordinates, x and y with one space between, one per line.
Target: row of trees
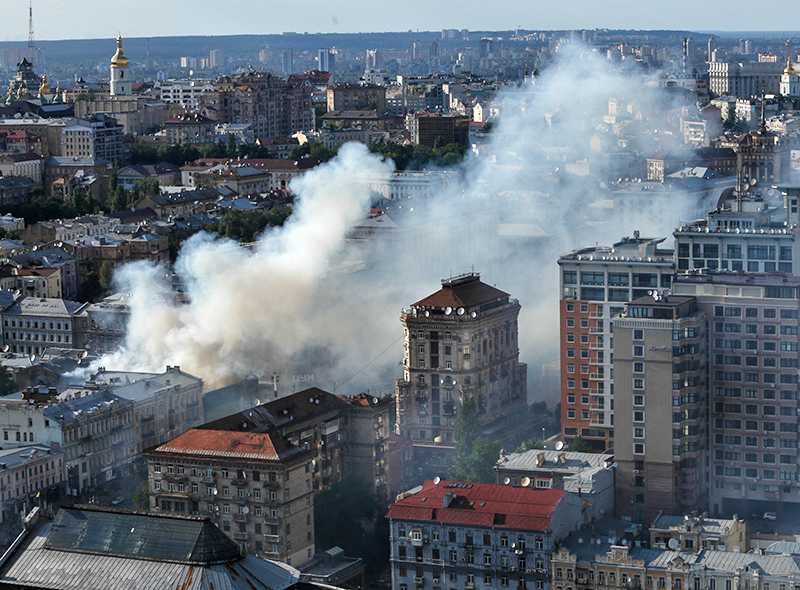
415 157
42 208
178 154
246 226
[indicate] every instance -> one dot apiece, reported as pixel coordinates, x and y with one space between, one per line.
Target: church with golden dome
790 81
120 72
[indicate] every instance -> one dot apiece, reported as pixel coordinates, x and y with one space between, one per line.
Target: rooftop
234 445
104 548
543 460
464 291
479 504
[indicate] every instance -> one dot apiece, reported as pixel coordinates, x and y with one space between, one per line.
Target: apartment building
29 476
595 284
465 535
267 102
186 93
366 450
97 136
356 97
256 487
591 561
460 342
32 324
699 532
589 475
741 236
659 368
753 362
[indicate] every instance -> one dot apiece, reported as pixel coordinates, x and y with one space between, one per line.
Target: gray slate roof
86 548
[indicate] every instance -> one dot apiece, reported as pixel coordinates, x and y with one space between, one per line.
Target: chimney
447 499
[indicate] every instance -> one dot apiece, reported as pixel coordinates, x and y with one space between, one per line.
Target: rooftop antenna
763 126
31 38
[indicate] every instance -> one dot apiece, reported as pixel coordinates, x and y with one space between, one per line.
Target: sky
92 19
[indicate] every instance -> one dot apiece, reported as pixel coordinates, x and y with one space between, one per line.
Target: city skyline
59 19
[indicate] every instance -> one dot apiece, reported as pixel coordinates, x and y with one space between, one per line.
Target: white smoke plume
295 305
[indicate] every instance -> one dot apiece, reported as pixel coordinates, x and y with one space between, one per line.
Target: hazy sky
75 19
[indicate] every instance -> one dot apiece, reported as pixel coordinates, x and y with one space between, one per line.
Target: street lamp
542 435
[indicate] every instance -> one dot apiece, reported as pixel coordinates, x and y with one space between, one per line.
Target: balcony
240 536
239 518
419 580
272 538
239 482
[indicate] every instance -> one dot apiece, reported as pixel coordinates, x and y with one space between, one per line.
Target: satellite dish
427 314
6 348
526 481
375 400
32 358
606 464
559 445
215 491
376 426
625 542
507 480
436 480
448 310
245 510
311 400
460 311
673 544
316 401
258 401
580 540
474 314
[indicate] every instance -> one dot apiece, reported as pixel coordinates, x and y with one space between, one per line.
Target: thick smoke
308 301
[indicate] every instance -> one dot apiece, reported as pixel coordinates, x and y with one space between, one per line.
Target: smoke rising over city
307 301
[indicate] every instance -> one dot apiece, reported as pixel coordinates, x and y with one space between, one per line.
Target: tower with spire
790 81
120 72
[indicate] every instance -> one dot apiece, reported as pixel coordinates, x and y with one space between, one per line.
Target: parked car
770 516
119 500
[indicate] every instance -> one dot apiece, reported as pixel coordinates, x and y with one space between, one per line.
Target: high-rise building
740 236
461 342
120 72
661 407
712 46
752 368
287 62
596 282
325 59
417 51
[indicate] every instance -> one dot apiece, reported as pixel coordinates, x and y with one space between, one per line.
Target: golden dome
120 60
44 89
789 71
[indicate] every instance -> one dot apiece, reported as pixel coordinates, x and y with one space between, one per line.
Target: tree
246 226
530 444
578 445
141 500
7 383
476 455
350 516
106 275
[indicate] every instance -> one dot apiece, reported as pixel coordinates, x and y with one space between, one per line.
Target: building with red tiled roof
255 486
460 342
478 535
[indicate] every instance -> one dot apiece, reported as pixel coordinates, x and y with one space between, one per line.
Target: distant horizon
294 34
62 20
